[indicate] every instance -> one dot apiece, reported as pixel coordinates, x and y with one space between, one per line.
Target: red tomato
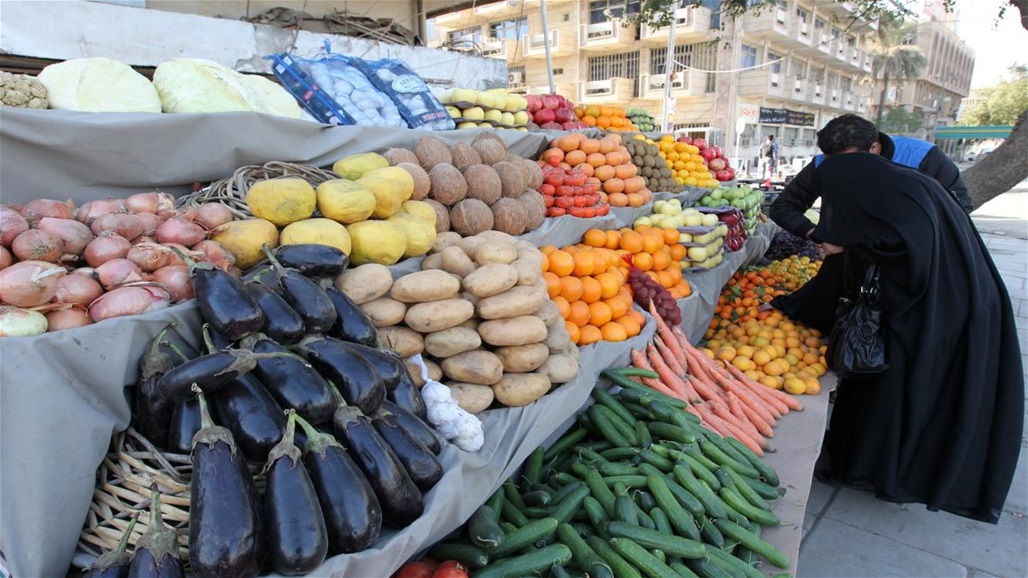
602 210
420 569
581 201
547 189
555 212
564 202
553 178
452 572
547 201
564 191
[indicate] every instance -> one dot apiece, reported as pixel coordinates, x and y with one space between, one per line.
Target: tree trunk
881 97
1002 169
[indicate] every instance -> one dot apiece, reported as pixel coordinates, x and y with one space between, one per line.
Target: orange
589 120
562 306
614 332
665 280
590 334
632 327
661 261
552 284
571 288
601 260
580 313
653 241
573 332
631 241
583 263
591 290
636 316
561 263
618 306
643 261
613 240
670 236
547 249
603 122
618 200
599 313
678 252
609 284
595 238
575 157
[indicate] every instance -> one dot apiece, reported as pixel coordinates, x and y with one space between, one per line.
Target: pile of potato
479 313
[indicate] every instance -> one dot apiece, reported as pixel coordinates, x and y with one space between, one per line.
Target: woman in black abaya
941 426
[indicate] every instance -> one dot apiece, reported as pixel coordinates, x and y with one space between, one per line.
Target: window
847 84
604 10
776 67
558 71
471 35
622 65
512 29
749 56
819 24
701 55
802 14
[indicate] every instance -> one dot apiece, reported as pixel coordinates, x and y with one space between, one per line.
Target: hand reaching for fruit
830 249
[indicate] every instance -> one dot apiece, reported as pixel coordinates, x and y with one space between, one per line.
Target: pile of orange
766 345
606 162
687 166
609 118
655 251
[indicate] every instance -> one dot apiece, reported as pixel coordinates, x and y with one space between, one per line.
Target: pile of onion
63 266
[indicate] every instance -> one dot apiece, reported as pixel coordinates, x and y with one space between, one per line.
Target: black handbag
856 346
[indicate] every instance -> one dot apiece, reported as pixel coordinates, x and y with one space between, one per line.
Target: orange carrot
755 418
726 429
667 376
704 389
726 380
735 406
665 332
697 367
669 356
789 400
721 410
761 390
711 421
639 360
753 403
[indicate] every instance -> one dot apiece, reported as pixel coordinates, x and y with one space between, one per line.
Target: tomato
547 201
602 210
564 191
555 212
420 569
553 178
451 572
564 202
589 212
547 189
581 201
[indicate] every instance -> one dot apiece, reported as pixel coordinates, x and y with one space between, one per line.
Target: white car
973 155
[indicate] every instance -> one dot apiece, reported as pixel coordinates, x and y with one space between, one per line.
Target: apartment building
785 70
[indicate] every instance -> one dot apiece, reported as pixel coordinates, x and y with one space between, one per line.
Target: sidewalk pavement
850 533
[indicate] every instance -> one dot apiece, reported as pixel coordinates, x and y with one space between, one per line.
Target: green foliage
1003 103
659 12
902 121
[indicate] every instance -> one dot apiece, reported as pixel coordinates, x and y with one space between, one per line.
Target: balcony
834 98
611 90
563 89
849 102
817 93
762 82
868 64
801 34
691 24
685 83
502 48
489 9
610 36
799 89
769 24
448 17
560 45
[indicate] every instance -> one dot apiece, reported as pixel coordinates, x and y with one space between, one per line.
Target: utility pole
549 59
668 66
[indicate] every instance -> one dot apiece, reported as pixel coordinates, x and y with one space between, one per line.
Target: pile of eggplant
291 376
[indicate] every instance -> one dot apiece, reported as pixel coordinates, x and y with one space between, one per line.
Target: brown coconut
464 156
534 172
422 182
483 183
512 177
471 217
396 156
509 216
533 205
431 152
442 216
448 185
490 147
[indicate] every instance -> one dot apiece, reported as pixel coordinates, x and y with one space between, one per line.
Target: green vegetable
527 564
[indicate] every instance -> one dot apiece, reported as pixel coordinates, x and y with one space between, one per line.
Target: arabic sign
785 116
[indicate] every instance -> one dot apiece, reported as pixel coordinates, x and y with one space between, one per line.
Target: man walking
768 159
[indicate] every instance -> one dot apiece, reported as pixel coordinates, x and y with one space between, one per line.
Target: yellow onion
216 254
124 224
68 318
29 283
129 300
37 245
74 234
181 231
12 224
92 210
15 322
151 256
6 259
116 272
212 215
36 209
105 247
175 278
150 222
80 289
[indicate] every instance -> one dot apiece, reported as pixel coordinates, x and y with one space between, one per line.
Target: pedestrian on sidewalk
814 303
768 159
942 425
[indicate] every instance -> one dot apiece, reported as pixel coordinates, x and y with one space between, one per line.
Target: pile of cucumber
637 488
641 119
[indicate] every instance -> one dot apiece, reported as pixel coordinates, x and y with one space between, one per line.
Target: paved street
849 533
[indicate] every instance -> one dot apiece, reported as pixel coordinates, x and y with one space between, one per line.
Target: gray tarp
62 394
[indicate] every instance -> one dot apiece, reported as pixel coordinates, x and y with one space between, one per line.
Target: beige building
783 71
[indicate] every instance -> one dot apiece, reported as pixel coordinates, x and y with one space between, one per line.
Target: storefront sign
785 116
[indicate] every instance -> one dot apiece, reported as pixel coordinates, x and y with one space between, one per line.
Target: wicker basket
231 192
123 483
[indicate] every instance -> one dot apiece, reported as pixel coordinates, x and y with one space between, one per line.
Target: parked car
973 155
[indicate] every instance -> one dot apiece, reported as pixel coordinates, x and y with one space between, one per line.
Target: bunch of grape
785 245
645 289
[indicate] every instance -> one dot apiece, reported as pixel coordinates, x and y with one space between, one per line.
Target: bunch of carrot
723 397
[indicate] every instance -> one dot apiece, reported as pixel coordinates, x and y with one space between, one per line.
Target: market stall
63 393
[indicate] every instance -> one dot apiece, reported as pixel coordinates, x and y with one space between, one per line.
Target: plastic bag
416 102
449 419
856 346
334 90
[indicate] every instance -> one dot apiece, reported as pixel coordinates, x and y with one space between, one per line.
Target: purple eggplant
421 464
153 413
281 322
226 537
353 515
255 419
408 396
185 422
297 537
114 564
305 296
313 259
415 426
401 500
341 363
293 382
156 554
352 323
223 300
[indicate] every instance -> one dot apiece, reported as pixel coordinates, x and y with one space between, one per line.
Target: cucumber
637 410
767 473
700 471
711 504
645 521
612 403
733 565
660 521
741 505
597 487
710 534
537 498
714 452
566 509
510 513
466 554
683 570
496 502
632 372
680 520
636 481
602 416
582 555
624 507
669 544
527 564
685 497
621 567
667 431
642 434
510 491
483 528
750 540
589 456
656 460
597 516
617 454
566 491
617 469
641 391
641 559
706 569
563 444
644 500
533 468
526 535
604 427
693 450
558 571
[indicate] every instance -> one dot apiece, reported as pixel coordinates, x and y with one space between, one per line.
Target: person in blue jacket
814 304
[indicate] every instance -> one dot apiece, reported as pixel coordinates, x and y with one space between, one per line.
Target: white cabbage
198 85
98 85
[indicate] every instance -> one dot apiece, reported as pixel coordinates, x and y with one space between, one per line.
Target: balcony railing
689 24
504 48
612 34
817 94
535 44
653 85
610 90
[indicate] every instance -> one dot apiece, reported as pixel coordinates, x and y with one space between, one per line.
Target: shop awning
971 132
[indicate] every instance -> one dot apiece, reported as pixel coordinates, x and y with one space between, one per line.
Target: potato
560 368
455 260
532 255
491 279
523 358
402 340
499 237
384 311
415 373
478 366
365 283
433 261
444 240
470 244
549 313
513 302
424 286
522 245
518 389
438 315
494 252
470 298
528 272
470 397
471 323
452 341
515 331
557 337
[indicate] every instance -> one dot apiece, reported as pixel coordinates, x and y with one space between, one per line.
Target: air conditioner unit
657 80
515 78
